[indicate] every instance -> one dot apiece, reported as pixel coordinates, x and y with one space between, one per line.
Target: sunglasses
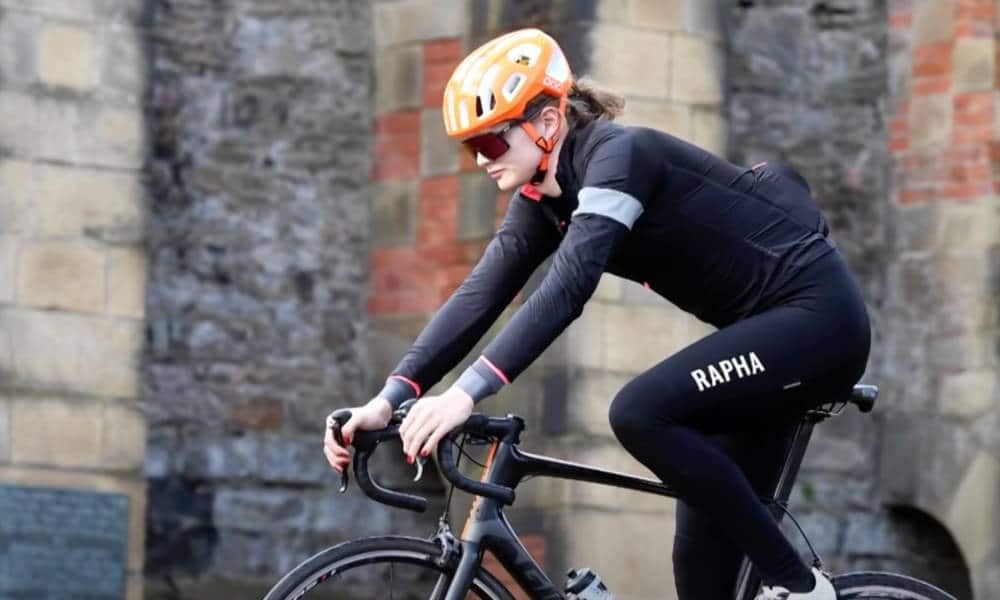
490 145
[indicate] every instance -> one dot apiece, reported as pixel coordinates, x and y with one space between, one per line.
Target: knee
636 410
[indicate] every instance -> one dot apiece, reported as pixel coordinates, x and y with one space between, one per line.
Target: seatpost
748 580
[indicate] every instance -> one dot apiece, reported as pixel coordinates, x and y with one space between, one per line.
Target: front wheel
403 568
872 584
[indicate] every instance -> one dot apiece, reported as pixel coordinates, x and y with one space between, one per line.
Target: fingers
418 427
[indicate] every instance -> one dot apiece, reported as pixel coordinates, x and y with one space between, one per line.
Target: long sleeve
525 239
609 202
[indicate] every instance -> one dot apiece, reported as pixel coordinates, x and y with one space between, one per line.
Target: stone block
664 15
256 509
67 276
418 21
618 52
609 288
65 56
56 432
477 211
933 21
977 495
438 152
220 456
703 17
8 268
394 212
134 488
124 445
63 351
638 337
72 202
84 132
970 394
18 200
398 76
584 344
697 69
86 11
122 64
19 59
293 461
710 131
973 64
128 271
672 117
971 226
5 430
633 553
18 125
930 120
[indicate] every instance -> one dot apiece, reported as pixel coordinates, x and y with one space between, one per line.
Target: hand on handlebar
432 418
372 416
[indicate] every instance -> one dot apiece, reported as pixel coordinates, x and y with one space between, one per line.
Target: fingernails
426 453
409 459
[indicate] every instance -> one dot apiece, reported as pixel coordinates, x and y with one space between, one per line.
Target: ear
551 121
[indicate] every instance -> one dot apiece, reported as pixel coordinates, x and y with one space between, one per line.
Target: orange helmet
497 80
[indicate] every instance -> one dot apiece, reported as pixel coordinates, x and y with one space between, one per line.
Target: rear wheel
402 568
871 584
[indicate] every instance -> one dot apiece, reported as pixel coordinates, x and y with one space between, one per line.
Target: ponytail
587 102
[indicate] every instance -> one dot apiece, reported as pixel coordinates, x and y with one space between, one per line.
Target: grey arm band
479 381
396 392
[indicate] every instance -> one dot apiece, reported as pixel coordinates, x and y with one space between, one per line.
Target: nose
481 160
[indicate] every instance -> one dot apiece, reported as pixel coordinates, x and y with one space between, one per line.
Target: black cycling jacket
716 239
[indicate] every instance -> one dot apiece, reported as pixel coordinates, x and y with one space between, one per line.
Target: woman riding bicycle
744 249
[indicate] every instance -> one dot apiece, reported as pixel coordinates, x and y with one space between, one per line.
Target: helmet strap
546 144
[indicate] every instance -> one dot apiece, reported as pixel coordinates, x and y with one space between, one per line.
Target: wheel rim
404 575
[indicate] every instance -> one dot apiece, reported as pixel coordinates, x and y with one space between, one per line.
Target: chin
507 183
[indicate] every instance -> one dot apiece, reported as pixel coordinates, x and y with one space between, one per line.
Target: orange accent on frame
477 499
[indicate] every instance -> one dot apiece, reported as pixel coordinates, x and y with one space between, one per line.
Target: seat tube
748 579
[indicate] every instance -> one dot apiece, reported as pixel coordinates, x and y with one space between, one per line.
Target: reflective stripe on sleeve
609 203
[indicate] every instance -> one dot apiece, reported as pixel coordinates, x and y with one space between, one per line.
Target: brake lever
420 462
335 421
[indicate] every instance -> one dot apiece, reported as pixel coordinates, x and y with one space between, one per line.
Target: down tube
490 530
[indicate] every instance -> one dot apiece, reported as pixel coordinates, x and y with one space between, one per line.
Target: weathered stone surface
65 56
56 432
259 229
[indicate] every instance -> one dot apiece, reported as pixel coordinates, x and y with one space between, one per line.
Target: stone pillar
941 445
435 211
72 282
262 121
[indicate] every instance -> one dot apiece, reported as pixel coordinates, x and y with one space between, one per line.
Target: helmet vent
513 85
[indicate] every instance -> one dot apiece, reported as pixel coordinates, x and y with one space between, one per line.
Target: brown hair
588 101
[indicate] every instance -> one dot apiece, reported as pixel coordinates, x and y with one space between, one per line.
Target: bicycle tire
326 566
891 586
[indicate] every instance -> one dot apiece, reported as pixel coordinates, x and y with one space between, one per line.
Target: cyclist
744 249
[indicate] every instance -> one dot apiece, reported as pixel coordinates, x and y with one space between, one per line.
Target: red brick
899 144
397 146
404 303
441 229
445 50
966 190
914 196
931 60
974 18
398 123
467 161
925 86
435 78
901 20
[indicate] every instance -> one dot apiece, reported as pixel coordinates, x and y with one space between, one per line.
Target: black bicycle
443 567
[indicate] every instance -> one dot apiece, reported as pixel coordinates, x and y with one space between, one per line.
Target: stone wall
887 110
72 262
261 124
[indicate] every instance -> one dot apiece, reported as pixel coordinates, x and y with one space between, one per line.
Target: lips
496 174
